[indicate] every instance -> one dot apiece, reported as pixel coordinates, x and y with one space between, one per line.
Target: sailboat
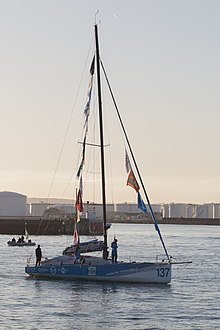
78 266
23 240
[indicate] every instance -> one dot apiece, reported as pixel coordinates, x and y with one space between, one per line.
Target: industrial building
13 204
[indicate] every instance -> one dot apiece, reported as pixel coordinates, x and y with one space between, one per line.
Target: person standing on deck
114 247
38 254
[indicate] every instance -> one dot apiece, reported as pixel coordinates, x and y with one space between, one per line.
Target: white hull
94 269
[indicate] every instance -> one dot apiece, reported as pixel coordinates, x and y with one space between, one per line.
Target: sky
162 59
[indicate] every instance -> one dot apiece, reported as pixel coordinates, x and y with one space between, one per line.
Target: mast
105 252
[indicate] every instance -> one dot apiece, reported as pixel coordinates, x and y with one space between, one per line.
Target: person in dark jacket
114 247
38 253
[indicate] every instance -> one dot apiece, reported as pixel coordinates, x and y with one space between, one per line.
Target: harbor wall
42 226
39 226
174 221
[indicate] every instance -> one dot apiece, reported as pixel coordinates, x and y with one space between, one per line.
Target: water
190 302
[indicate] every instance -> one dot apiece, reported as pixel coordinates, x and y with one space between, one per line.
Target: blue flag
141 204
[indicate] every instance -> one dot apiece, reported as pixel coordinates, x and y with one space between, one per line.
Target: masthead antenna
96 14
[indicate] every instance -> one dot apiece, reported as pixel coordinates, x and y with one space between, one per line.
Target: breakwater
42 226
172 221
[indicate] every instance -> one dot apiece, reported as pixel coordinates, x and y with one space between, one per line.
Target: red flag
132 182
79 203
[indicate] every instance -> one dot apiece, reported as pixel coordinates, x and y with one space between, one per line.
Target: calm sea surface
192 301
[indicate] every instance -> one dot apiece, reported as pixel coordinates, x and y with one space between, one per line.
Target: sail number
163 272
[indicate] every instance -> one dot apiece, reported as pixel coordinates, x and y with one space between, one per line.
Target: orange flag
132 182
